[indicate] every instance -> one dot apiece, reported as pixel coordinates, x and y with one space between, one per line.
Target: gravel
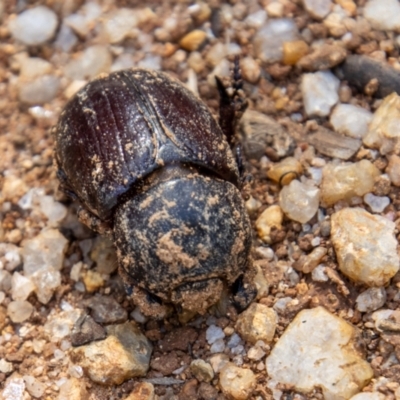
321 142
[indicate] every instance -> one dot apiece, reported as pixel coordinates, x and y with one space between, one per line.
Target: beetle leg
93 222
232 103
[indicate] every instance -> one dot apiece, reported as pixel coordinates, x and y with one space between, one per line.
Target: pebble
299 201
271 217
259 131
269 40
350 120
318 9
86 330
85 20
34 26
323 57
213 333
260 281
202 370
218 346
93 61
21 287
383 14
142 391
193 40
237 383
119 24
32 67
371 299
73 389
258 322
46 282
41 90
307 263
342 182
294 51
34 387
46 250
106 310
53 210
274 9
10 256
365 246
319 274
59 324
393 169
13 187
19 311
285 171
325 356
92 280
383 133
5 366
14 389
124 354
218 361
376 203
358 71
251 70
320 92
256 19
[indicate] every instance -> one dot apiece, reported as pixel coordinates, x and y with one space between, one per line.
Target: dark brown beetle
150 165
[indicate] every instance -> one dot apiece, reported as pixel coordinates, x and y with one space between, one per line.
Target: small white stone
318 9
275 9
299 201
268 42
214 333
319 349
281 304
237 383
44 251
218 346
84 21
41 90
34 387
218 361
343 182
256 19
46 282
5 366
53 210
256 323
19 311
14 389
319 274
21 287
376 203
119 24
351 120
255 353
93 61
383 133
365 246
383 14
34 26
371 299
320 92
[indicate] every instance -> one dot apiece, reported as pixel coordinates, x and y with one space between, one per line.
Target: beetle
151 167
